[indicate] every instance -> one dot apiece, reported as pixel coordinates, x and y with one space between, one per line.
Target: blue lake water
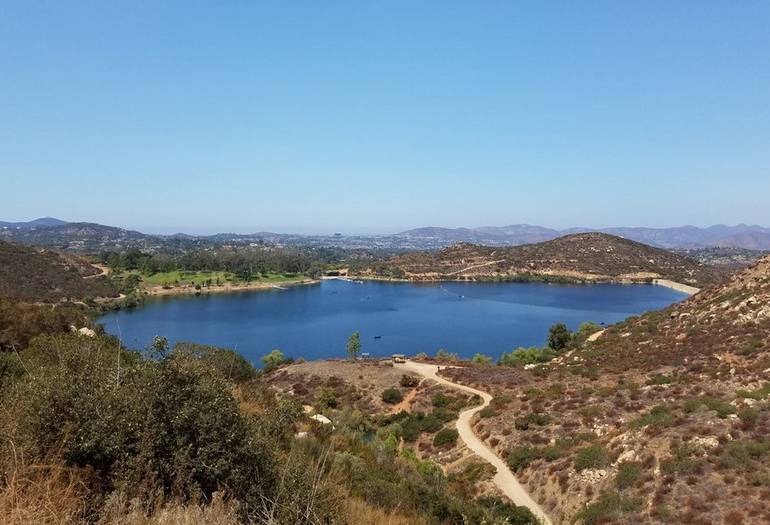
314 321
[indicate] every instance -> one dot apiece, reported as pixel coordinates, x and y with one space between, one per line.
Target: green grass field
182 277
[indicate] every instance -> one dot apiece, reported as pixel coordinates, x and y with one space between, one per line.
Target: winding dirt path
504 478
473 267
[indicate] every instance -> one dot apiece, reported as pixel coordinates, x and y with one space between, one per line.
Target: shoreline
159 291
566 280
679 287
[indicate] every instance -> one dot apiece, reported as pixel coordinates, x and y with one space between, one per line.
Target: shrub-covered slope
37 274
665 418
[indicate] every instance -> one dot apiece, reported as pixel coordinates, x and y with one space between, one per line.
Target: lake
314 321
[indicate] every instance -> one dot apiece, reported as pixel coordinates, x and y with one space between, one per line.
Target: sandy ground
504 478
679 287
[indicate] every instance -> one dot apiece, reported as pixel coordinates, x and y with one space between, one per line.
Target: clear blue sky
378 116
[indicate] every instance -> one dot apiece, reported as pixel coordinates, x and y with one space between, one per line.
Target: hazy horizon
203 230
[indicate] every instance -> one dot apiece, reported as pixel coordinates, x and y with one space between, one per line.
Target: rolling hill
39 274
589 257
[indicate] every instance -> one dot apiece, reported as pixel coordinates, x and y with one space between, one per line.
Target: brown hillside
579 257
665 418
38 274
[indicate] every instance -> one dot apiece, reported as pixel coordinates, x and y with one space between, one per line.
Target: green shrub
526 356
519 458
486 412
681 461
628 473
659 416
748 415
445 437
172 423
430 424
524 422
758 394
230 364
440 400
722 408
481 359
744 453
592 411
443 355
592 456
392 396
326 397
611 506
409 381
273 360
559 337
445 415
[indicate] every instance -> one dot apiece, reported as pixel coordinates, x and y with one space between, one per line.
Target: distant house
365 355
398 358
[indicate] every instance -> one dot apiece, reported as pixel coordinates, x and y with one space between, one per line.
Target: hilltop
40 274
582 257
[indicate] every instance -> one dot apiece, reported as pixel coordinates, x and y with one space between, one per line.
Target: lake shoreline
159 291
545 279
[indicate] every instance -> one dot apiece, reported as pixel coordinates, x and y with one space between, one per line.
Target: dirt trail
504 478
476 266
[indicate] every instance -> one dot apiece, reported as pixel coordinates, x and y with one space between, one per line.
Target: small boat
378 337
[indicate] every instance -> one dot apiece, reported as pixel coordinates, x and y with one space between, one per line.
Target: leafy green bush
744 453
681 461
611 506
526 356
231 365
273 360
445 437
559 337
659 416
524 422
173 424
430 423
481 359
392 396
519 458
721 407
628 473
592 456
440 400
326 397
443 355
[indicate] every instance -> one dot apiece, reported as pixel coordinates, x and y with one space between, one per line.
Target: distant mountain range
89 237
42 221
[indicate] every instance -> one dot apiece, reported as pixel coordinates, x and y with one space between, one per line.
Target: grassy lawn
180 277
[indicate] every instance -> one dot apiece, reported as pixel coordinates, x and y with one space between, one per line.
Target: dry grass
42 494
218 512
359 512
53 494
